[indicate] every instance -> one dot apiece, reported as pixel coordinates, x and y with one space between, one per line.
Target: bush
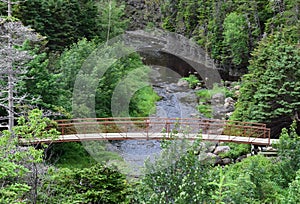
96 184
177 176
236 150
192 80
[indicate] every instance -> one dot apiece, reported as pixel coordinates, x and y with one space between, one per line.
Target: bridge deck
152 136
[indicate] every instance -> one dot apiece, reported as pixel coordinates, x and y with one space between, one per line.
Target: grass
143 102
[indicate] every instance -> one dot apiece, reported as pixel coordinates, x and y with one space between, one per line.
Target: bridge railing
148 126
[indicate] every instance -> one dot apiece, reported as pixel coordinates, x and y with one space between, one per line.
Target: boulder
218 98
228 108
218 161
237 93
221 149
212 148
229 100
237 87
226 161
182 82
211 155
240 158
270 148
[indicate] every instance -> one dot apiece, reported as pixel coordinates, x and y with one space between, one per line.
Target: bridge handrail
152 128
200 123
153 118
209 126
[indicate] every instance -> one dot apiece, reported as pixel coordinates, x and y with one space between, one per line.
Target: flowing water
176 102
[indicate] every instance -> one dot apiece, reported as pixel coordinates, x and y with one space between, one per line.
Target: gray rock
194 115
237 87
229 100
226 161
228 108
240 158
270 149
218 161
211 155
182 82
221 149
237 93
218 98
227 115
211 149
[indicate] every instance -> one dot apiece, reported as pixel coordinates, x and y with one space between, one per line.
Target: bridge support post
147 128
168 128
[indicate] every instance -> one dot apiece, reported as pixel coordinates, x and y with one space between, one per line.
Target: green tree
41 83
19 165
255 179
112 21
62 22
288 151
270 92
81 63
236 37
186 18
66 22
13 188
294 190
285 14
177 176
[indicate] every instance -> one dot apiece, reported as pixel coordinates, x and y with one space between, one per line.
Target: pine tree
271 91
12 36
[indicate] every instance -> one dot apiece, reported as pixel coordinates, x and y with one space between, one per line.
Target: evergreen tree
270 92
12 63
111 23
236 38
62 22
66 22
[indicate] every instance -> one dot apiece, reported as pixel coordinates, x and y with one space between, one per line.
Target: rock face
141 12
217 101
144 14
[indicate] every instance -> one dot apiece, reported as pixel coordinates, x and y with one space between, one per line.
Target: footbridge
89 129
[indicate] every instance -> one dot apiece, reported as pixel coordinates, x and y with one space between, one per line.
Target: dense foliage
22 166
270 91
188 174
131 68
65 22
181 176
259 37
96 184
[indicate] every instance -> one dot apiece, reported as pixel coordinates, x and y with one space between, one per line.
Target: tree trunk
9 10
10 79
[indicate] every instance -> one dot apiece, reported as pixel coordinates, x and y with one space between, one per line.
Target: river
176 102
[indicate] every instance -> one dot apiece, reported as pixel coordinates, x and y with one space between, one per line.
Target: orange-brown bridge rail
161 128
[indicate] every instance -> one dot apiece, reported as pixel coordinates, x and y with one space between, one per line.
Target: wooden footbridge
160 128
